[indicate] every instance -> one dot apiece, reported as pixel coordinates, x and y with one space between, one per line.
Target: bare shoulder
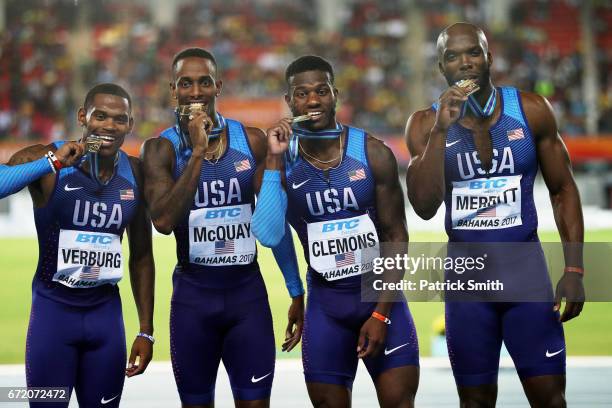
255 133
156 148
534 104
421 118
257 140
134 161
157 158
418 127
381 158
539 113
30 153
136 165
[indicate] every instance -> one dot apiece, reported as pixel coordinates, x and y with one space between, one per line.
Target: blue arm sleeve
268 222
14 178
284 253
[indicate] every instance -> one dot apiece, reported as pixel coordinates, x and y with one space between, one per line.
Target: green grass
590 334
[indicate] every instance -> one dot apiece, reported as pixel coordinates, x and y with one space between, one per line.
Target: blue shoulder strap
238 138
355 147
181 156
289 165
512 104
173 137
124 168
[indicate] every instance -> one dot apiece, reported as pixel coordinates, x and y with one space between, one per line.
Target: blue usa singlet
214 243
219 297
80 232
334 213
493 206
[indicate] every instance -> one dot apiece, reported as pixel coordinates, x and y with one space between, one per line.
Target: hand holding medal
199 124
469 86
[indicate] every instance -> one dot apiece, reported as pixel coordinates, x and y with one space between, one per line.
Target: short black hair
193 52
443 36
106 88
308 63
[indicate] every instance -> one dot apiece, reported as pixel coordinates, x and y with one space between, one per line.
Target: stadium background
383 52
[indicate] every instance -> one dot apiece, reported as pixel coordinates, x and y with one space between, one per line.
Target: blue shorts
77 347
333 320
210 325
531 332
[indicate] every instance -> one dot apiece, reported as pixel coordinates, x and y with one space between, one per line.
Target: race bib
487 203
88 259
342 248
221 236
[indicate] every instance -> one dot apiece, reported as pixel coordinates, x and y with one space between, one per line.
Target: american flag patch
486 212
224 247
345 259
515 134
358 174
90 272
126 194
242 165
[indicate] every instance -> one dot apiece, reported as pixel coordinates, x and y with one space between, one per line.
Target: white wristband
146 336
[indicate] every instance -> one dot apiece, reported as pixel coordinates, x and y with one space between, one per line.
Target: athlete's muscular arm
277 140
257 140
267 226
40 179
426 137
393 230
142 278
168 200
557 172
259 147
284 252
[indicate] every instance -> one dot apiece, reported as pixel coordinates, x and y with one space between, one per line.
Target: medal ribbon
474 106
300 132
94 167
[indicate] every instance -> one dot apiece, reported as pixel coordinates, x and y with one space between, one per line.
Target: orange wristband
574 269
381 317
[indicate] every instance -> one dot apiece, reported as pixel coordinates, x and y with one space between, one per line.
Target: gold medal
93 143
302 118
469 86
190 110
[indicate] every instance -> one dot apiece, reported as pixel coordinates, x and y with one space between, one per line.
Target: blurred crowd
51 53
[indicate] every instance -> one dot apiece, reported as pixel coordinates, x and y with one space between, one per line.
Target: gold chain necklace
310 156
217 152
